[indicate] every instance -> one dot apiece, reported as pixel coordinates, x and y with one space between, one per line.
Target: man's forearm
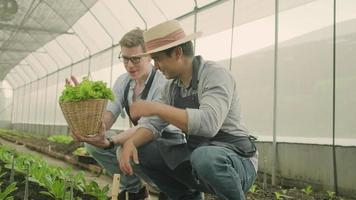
122 137
142 136
176 116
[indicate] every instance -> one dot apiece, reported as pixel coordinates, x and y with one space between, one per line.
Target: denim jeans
213 169
107 159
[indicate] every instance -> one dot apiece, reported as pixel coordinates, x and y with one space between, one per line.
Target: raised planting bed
57 146
25 175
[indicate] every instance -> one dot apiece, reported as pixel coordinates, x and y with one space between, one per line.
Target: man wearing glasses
141 81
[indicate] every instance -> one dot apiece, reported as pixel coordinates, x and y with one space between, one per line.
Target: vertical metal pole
195 10
107 33
275 89
334 100
138 13
232 32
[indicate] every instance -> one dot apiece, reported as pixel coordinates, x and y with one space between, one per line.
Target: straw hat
164 36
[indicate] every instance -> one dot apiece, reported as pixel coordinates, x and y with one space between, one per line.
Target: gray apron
173 148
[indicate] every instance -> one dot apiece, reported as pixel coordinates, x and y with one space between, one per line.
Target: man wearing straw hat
141 81
202 100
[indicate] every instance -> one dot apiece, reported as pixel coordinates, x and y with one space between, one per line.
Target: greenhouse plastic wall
290 95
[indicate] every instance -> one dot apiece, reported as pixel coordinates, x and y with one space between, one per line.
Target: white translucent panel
216 19
32 103
107 18
188 25
202 3
101 66
61 55
215 45
345 104
36 64
5 101
41 109
252 68
81 69
35 105
305 63
63 74
19 102
151 13
51 100
29 72
92 33
24 110
46 61
17 77
10 81
173 9
125 13
73 45
22 75
15 104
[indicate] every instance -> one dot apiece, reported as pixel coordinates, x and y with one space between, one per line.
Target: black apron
143 95
242 145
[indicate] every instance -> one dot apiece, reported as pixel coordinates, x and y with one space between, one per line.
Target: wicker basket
83 117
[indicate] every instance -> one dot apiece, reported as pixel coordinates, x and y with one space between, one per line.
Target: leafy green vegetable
61 139
81 151
86 90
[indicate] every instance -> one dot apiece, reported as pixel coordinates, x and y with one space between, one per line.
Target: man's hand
143 108
128 152
97 140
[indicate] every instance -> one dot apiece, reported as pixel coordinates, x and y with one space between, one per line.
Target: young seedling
7 191
253 189
278 195
331 195
308 190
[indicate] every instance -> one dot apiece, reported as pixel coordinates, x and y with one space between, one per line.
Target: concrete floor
102 180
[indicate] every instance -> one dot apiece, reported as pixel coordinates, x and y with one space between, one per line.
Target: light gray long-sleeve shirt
116 107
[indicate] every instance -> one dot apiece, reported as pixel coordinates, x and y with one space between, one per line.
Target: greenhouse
284 69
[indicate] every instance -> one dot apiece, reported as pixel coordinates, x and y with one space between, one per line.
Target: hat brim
173 44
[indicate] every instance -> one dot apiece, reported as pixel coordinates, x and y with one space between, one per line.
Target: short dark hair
187 49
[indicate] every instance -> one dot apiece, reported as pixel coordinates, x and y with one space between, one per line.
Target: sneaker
141 195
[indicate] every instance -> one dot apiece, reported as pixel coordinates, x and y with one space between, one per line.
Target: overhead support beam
200 9
20 50
9 27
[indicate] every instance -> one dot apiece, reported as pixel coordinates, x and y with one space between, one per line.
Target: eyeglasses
125 59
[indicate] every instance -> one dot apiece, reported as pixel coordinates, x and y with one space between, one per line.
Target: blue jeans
107 159
213 169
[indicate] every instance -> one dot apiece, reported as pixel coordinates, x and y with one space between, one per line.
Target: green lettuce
86 90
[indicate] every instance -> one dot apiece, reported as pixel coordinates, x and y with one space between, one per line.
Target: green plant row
59 182
64 139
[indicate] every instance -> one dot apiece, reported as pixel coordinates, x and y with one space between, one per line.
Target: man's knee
207 160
